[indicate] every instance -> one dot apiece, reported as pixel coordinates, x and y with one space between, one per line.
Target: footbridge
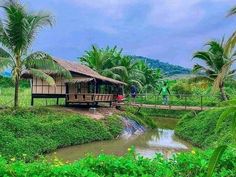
174 102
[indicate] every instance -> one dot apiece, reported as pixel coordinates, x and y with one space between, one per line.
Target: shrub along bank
185 164
140 116
200 129
26 133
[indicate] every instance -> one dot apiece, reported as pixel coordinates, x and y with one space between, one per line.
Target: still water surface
161 140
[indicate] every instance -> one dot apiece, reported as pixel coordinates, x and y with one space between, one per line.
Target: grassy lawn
7 97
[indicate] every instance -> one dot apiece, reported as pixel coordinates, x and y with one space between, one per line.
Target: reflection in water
165 139
148 144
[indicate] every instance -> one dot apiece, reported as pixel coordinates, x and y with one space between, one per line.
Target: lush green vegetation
112 63
27 133
200 129
212 128
185 164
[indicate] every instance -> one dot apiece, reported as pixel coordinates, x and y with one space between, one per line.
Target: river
161 140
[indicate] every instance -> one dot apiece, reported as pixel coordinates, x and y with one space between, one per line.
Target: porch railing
89 97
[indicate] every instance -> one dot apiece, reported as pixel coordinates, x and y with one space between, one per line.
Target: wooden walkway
169 107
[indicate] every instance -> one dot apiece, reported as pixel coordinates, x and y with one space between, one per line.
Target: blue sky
169 30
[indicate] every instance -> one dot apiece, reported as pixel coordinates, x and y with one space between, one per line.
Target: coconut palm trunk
223 93
16 77
16 97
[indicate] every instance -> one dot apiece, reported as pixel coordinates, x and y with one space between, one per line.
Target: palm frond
42 75
4 38
16 25
222 75
232 11
136 82
43 61
6 60
230 45
210 73
36 22
5 63
120 70
204 56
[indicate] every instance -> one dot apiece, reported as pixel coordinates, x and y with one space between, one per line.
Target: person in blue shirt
133 92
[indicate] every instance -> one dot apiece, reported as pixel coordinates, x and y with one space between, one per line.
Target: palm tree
104 61
152 76
17 31
111 63
131 75
218 60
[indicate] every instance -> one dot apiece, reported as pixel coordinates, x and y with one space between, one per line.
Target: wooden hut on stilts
85 87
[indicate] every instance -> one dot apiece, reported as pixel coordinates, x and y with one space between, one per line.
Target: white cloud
173 13
159 13
111 8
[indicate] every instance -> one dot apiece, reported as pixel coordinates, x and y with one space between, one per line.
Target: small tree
17 32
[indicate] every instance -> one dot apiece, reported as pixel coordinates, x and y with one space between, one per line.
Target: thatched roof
80 69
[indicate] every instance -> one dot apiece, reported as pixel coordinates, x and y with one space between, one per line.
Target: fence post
155 100
201 102
169 101
185 98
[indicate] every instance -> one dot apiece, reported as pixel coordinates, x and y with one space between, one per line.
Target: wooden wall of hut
40 86
78 87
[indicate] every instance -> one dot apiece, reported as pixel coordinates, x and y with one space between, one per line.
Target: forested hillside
167 68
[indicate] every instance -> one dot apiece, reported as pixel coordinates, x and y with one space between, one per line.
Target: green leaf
224 115
215 159
42 75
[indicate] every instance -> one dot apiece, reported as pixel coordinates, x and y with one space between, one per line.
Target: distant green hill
167 68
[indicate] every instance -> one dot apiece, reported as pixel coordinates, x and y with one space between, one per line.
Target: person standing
133 93
164 92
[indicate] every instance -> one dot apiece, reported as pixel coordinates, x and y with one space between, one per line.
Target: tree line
110 62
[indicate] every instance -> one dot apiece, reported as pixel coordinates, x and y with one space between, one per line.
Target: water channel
161 140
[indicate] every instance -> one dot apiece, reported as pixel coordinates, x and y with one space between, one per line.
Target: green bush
114 125
200 129
32 132
185 164
182 88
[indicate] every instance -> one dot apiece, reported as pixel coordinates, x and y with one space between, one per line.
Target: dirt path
99 113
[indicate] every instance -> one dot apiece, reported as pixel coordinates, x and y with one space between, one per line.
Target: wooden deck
168 107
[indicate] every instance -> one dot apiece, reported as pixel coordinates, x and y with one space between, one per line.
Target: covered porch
88 90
